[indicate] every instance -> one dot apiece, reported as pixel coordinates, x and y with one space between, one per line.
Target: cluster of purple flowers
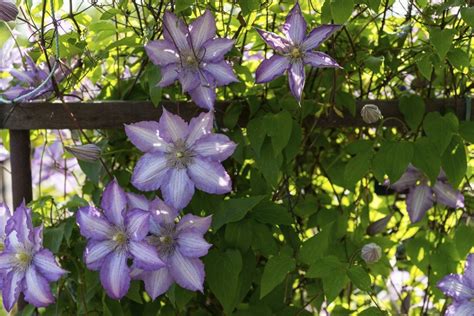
25 266
130 228
195 56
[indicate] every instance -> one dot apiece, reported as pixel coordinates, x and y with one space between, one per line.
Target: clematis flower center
23 259
166 241
120 238
180 156
2 246
296 53
190 61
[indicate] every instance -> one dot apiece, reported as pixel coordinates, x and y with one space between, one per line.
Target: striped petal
456 286
179 189
12 286
37 290
162 53
275 41
174 128
222 73
319 35
215 49
146 136
320 60
202 29
192 245
295 25
169 74
175 31
137 201
187 272
204 96
157 282
145 256
96 252
149 172
271 68
447 195
93 224
209 176
199 126
419 200
192 223
137 224
297 78
115 275
8 11
46 264
113 202
215 147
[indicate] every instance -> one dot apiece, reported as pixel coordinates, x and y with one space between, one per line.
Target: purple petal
8 11
96 252
174 128
192 223
149 172
187 272
137 224
469 270
146 136
38 237
37 291
175 31
46 264
271 68
169 74
461 308
204 96
114 201
447 195
161 214
202 29
200 126
192 245
295 25
162 53
115 275
209 176
179 189
296 78
222 73
407 180
137 201
157 282
5 215
320 60
216 48
145 256
7 260
20 222
215 146
456 286
276 42
319 35
93 224
12 286
189 79
419 200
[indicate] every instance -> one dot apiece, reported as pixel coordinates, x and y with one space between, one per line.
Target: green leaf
233 210
248 6
275 272
256 134
466 129
154 76
269 163
458 58
372 311
325 266
384 162
425 66
357 167
239 234
439 130
441 41
222 275
454 161
316 246
467 15
374 63
278 127
181 5
333 284
53 238
412 107
341 10
263 240
427 158
359 277
346 100
270 213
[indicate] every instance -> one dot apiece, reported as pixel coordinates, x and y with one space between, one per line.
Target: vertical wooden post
20 153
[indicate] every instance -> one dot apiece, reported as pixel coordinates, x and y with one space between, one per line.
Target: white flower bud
88 152
370 113
371 253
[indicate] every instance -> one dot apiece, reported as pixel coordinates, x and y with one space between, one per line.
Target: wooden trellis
21 118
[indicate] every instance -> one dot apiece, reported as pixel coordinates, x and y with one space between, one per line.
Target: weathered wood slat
113 114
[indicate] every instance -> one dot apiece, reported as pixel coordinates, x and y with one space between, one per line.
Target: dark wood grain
105 115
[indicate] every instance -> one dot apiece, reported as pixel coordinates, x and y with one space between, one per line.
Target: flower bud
88 152
378 226
370 113
8 11
371 253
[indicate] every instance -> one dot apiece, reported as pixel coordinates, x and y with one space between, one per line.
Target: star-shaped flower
179 157
294 51
194 56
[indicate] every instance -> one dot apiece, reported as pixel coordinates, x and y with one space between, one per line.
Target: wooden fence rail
21 118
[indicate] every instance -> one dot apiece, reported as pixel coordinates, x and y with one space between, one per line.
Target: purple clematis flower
421 196
461 288
5 215
179 157
24 264
194 56
294 51
116 234
180 245
8 11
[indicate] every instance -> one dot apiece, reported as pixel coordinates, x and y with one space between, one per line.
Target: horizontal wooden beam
113 114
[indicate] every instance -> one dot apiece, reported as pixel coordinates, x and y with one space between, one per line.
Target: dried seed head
370 113
88 152
371 253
